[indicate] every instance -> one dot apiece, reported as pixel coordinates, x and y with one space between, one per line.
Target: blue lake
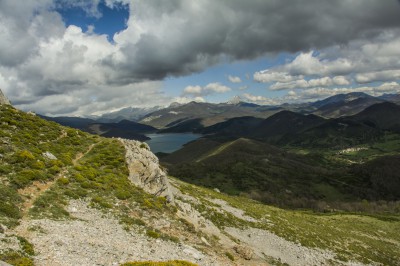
169 142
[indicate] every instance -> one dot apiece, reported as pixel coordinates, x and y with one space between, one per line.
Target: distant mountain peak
235 100
3 99
174 104
342 98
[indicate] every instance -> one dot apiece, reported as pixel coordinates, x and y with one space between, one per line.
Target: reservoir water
169 142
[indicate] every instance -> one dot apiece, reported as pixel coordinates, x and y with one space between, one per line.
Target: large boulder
145 171
3 98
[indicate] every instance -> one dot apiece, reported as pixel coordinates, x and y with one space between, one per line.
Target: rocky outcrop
48 155
145 171
3 98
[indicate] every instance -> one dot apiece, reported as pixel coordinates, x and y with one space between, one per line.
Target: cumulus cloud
307 64
261 100
302 83
91 100
216 88
193 90
267 76
183 100
42 61
378 76
210 88
358 63
320 93
234 79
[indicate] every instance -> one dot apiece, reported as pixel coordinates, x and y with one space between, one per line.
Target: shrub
143 146
9 210
15 258
54 170
25 177
5 169
38 165
26 246
153 234
63 181
164 263
230 256
24 155
101 202
122 194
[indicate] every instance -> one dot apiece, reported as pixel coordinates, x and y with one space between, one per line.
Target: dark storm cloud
184 36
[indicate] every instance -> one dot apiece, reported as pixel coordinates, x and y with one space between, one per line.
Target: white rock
49 155
145 171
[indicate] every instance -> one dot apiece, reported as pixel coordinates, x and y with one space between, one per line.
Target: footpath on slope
93 237
32 192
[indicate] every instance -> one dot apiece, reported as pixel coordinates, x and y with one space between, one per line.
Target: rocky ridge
3 98
145 171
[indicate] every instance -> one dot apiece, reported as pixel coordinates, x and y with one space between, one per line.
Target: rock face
145 171
3 98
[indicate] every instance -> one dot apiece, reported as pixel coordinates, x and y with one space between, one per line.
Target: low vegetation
352 236
25 141
357 227
297 177
164 263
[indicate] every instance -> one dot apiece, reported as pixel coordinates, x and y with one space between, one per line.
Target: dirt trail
32 192
80 155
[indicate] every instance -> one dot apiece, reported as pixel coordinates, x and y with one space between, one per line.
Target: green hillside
46 167
292 177
84 166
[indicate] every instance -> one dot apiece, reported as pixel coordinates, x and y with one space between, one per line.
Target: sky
87 57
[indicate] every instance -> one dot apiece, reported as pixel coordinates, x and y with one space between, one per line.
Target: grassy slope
292 176
353 237
100 176
24 139
261 170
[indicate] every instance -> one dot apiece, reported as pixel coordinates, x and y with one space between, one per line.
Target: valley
199 133
247 181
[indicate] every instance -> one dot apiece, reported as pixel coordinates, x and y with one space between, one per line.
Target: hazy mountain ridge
177 117
199 117
124 128
128 113
208 113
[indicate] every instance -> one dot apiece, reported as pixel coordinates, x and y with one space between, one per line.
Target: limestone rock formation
145 171
3 98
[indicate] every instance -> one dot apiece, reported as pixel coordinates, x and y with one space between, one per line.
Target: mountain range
68 197
312 157
195 117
